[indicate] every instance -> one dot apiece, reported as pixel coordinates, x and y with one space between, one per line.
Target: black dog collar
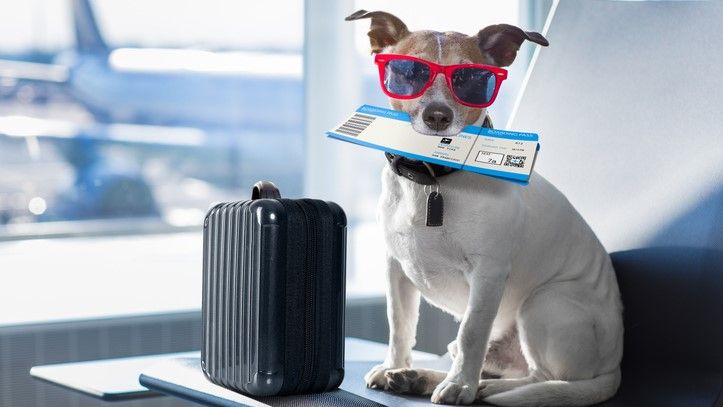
422 172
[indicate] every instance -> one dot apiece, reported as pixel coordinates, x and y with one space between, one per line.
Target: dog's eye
409 69
473 85
405 77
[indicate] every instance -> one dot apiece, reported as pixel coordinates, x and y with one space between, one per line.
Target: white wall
628 101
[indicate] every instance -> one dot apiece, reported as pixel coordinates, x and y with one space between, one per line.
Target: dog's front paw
376 379
450 392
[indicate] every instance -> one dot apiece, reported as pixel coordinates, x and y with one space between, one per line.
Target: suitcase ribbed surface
273 296
223 276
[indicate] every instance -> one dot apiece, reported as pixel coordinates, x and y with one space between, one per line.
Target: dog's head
436 112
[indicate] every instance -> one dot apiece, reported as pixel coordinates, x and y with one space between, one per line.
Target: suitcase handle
265 190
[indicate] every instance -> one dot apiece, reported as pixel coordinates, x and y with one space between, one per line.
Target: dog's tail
560 393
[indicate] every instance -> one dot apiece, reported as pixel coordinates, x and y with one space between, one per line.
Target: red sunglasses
405 77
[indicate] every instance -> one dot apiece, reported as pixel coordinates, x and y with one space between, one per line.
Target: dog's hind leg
419 382
571 341
504 357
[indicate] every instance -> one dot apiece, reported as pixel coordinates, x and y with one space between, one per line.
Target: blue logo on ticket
509 155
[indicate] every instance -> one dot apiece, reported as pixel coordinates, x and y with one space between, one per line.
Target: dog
533 287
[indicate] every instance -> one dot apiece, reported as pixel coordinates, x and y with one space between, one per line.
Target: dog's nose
437 116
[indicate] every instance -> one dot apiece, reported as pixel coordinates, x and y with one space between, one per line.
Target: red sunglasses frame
447 70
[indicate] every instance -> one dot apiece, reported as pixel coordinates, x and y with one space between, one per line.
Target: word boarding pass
509 155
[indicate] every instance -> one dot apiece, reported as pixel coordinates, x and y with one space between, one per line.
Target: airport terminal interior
123 122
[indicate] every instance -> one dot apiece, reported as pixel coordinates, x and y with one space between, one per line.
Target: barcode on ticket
355 125
517 161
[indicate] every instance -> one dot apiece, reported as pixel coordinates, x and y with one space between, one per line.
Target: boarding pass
498 153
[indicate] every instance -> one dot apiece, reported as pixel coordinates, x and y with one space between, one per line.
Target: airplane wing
218 156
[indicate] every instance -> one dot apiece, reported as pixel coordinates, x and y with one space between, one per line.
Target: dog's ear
386 29
502 41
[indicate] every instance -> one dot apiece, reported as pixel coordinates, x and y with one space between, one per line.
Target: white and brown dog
532 285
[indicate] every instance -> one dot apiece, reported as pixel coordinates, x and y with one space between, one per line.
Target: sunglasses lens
404 77
474 85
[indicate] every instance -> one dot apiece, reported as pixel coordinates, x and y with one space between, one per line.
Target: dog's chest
429 256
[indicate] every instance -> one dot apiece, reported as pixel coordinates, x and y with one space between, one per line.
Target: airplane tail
87 35
560 393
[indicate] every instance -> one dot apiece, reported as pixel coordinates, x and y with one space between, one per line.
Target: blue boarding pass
509 155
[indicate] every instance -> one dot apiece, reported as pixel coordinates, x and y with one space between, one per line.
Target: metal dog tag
435 209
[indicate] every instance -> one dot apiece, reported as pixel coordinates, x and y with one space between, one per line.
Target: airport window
152 111
121 122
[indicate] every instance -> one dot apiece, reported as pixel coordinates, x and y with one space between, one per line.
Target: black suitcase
273 294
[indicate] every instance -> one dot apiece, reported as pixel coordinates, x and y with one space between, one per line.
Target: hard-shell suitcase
273 294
